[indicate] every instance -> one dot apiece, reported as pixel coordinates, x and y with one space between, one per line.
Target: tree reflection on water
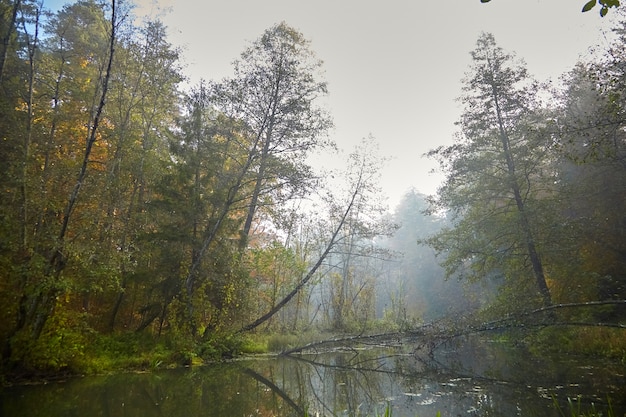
467 379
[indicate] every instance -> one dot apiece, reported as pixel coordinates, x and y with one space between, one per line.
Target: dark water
470 379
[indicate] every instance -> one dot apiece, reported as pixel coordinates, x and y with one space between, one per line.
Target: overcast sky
394 66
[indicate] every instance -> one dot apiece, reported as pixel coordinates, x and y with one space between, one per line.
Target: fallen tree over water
429 336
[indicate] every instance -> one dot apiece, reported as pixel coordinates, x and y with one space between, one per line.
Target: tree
274 92
40 283
355 264
199 210
494 175
142 109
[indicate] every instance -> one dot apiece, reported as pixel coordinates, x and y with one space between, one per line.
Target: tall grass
575 409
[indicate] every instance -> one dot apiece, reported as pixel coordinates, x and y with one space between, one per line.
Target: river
473 378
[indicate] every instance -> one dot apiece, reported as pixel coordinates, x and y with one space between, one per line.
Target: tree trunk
521 208
254 201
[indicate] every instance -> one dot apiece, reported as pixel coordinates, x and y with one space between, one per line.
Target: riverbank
144 353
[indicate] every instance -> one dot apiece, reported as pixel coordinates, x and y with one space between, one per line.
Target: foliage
605 5
141 226
495 176
604 9
279 342
591 341
223 345
274 92
62 346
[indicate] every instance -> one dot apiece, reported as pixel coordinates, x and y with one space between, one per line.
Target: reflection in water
470 379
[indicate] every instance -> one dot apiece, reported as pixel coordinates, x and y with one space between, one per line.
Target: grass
279 342
575 409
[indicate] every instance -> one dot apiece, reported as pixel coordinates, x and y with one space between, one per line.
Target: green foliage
606 4
279 342
226 346
62 346
221 346
493 175
575 340
135 351
252 346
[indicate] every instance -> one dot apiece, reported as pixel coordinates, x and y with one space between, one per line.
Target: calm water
472 379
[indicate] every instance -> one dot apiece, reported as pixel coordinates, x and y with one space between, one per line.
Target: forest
145 220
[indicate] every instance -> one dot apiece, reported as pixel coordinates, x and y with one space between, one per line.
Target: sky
393 67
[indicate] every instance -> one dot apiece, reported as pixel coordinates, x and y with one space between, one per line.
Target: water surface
469 379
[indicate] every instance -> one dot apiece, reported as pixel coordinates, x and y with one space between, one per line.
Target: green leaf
589 5
485 1
604 11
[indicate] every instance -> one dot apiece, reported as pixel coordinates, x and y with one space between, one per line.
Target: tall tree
42 287
275 91
143 106
200 206
493 174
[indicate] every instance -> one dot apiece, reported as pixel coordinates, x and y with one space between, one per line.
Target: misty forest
145 221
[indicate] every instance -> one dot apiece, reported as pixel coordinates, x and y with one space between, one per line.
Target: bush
221 346
60 347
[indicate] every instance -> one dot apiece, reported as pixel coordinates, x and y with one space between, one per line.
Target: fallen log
435 334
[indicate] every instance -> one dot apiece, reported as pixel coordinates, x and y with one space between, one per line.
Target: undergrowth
595 341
